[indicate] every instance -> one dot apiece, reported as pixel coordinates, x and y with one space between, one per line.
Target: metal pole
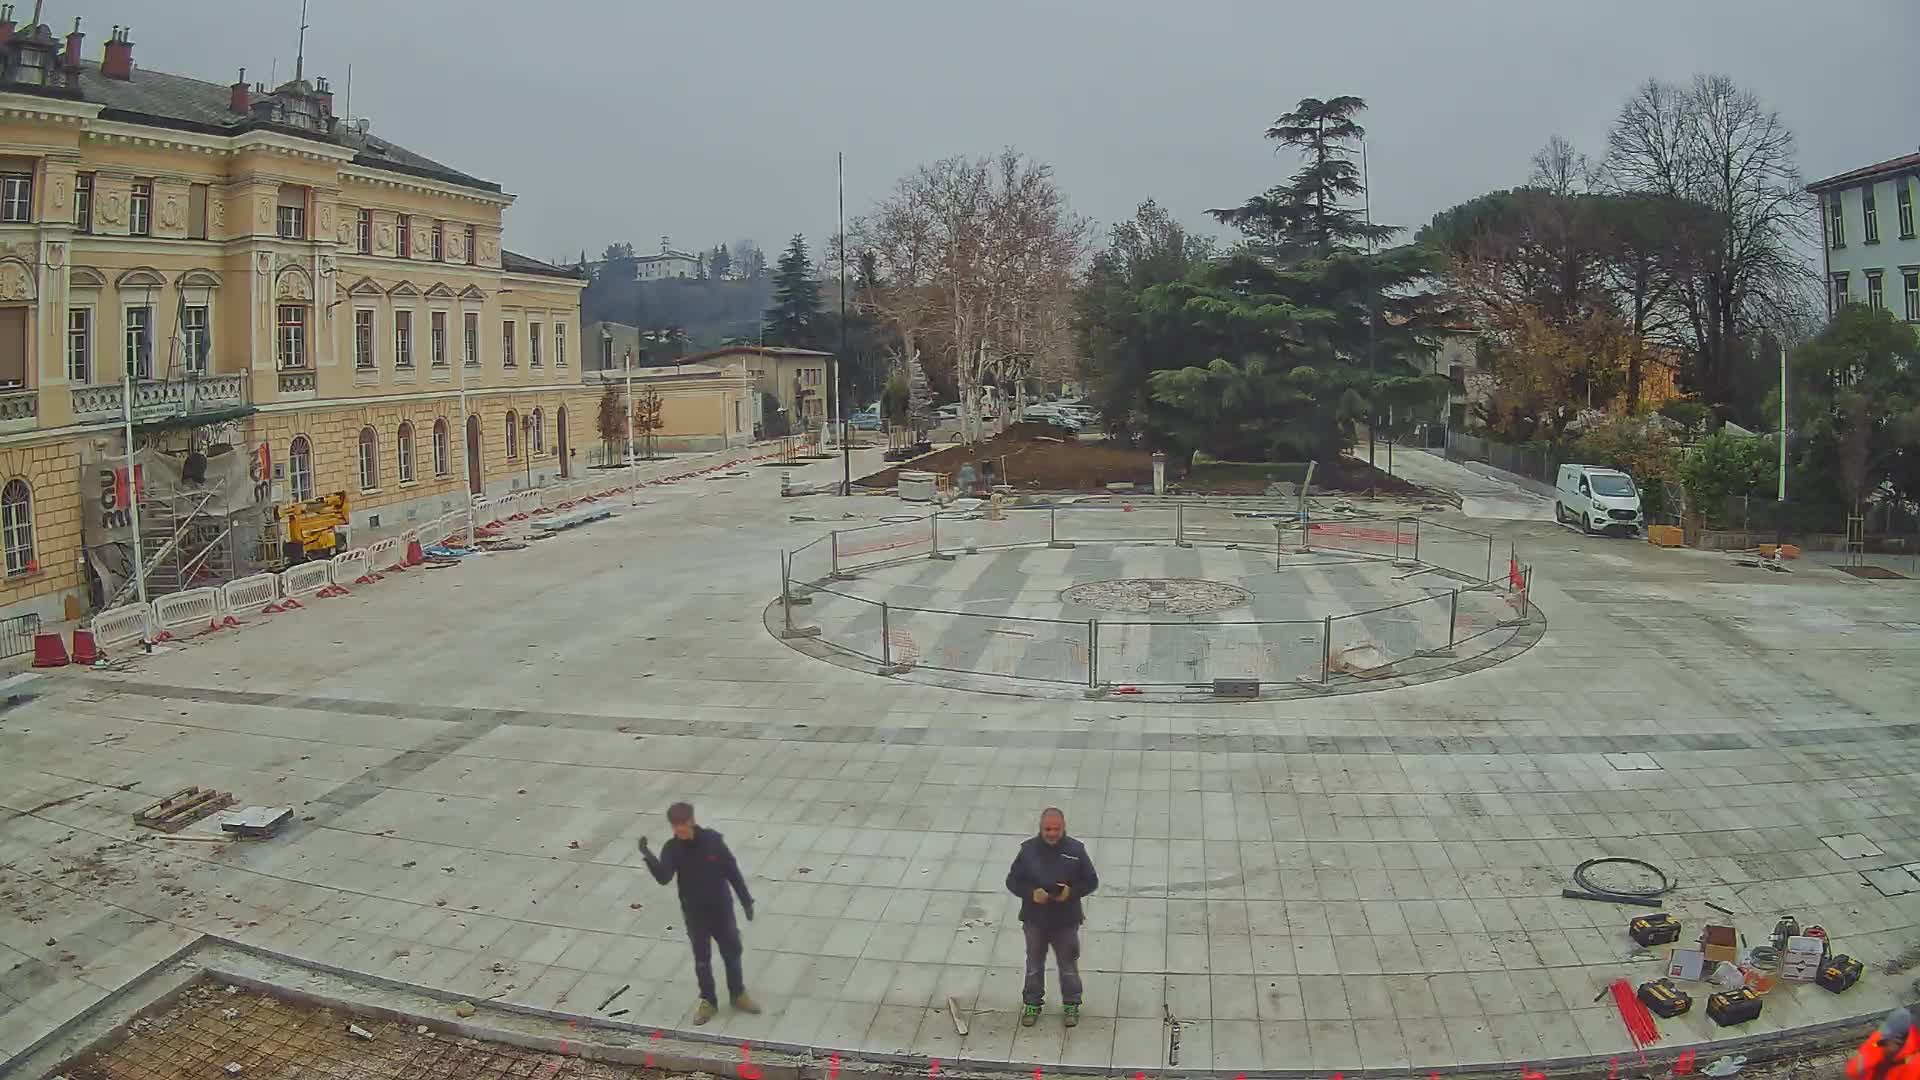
935 521
1179 523
786 597
133 475
886 645
632 485
1279 542
1366 195
1093 653
833 546
1783 421
466 443
1416 539
1396 530
840 387
1453 618
1052 533
1489 558
1326 647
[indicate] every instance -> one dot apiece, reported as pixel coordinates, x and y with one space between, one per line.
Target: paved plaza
1340 882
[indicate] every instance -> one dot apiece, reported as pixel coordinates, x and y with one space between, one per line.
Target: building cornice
47 110
381 178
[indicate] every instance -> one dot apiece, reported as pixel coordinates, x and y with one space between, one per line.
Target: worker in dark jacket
706 870
1050 874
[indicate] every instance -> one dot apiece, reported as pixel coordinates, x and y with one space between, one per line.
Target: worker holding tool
1050 874
1890 1053
706 869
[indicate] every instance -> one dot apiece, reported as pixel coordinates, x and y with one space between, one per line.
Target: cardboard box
1802 959
1720 944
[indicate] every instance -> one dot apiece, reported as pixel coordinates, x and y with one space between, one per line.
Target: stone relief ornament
384 242
326 218
113 208
489 250
294 286
217 213
422 244
346 231
15 283
56 255
170 212
59 191
266 215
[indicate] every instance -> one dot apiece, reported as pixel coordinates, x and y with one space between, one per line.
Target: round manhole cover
1172 596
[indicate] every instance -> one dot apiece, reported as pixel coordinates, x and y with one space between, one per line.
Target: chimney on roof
237 95
6 23
72 56
117 61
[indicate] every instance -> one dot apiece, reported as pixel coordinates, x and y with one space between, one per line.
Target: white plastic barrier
306 579
349 567
384 555
198 608
249 595
123 625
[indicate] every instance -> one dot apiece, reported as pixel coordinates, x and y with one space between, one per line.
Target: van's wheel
1586 524
1559 513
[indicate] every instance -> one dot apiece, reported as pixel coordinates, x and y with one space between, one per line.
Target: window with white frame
80 346
1903 199
533 344
363 233
83 202
1876 299
140 209
1910 284
1872 215
363 339
403 452
437 345
442 451
513 435
472 256
559 344
506 345
439 241
1836 220
404 231
369 459
16 526
139 341
16 197
196 335
292 222
1839 290
538 443
470 338
300 468
291 339
403 339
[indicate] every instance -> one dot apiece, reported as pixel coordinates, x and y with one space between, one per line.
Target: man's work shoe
1029 1015
703 1013
1073 1016
745 1003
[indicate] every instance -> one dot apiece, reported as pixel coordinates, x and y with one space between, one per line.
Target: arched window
369 459
16 525
403 450
539 442
513 435
442 449
300 468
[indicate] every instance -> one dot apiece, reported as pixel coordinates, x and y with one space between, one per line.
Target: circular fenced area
1170 600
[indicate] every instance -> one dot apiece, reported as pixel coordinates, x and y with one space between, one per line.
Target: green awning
176 421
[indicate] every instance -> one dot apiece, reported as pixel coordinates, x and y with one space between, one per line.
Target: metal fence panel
1093 524
810 564
1030 650
1196 653
872 545
1220 525
1372 639
16 634
1017 527
849 623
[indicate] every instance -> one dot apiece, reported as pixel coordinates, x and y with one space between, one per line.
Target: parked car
865 420
1597 499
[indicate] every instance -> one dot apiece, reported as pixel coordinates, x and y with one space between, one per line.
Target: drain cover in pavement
1851 846
1893 880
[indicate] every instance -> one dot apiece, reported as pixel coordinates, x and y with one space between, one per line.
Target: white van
1597 499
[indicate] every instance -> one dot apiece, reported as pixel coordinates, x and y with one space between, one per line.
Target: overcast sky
629 119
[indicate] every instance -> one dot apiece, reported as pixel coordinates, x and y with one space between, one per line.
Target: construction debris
183 808
256 821
359 1032
464 1009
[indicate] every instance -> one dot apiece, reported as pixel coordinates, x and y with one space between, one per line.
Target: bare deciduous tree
1560 169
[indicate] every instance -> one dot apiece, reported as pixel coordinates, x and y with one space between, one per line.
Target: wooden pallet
183 808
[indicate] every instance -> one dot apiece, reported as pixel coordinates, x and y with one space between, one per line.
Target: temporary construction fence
1473 588
123 625
249 595
190 610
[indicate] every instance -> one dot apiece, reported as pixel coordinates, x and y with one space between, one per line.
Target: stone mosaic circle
1171 596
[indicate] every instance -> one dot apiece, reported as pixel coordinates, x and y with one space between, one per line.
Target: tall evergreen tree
721 262
794 319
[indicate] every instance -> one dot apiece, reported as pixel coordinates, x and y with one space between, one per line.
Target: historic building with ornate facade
259 275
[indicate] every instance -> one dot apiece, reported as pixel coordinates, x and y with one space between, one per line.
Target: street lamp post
627 364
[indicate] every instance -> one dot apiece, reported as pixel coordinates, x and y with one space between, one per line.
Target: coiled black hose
1637 897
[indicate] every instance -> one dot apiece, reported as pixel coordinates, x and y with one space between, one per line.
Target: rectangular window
363 340
1872 215
1905 201
404 232
403 339
472 256
438 356
196 333
13 347
197 212
506 345
440 448
291 340
83 202
1836 220
1910 282
79 346
139 352
140 209
533 344
403 450
470 339
559 344
293 223
606 353
1839 291
439 241
369 461
16 197
1875 298
363 233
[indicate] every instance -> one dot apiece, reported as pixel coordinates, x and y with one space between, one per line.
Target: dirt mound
1032 457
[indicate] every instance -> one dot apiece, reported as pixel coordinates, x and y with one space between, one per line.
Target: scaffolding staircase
183 545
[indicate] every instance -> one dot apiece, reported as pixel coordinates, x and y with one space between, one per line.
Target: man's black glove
747 906
644 850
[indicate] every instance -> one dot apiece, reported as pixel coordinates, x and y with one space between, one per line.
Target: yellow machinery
311 527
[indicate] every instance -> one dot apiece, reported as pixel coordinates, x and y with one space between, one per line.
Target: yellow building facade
257 273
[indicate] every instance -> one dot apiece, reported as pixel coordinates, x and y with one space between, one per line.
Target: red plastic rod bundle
1634 1015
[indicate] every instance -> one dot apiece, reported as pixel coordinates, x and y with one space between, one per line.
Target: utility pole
1373 316
840 384
1781 495
631 486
